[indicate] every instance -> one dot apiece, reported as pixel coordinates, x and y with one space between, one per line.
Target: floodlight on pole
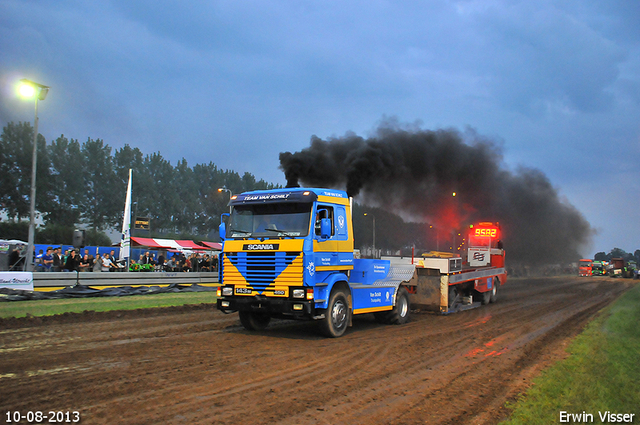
225 189
29 89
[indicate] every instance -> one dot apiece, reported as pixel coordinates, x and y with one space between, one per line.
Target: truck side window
324 212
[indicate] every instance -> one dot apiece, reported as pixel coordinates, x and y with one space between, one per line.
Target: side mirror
325 228
222 229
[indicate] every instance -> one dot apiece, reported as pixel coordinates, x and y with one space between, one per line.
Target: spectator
85 264
16 262
146 259
161 266
47 260
57 260
116 265
106 265
64 257
171 264
72 262
161 262
97 264
180 260
186 266
38 262
205 264
193 261
214 262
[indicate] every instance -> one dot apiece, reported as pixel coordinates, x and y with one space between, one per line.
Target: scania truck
289 253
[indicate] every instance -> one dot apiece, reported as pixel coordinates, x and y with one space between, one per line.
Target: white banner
17 280
125 242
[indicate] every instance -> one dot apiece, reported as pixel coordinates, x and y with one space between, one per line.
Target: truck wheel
336 318
400 313
485 297
494 290
253 321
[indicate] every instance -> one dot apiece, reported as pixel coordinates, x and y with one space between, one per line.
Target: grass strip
602 373
78 305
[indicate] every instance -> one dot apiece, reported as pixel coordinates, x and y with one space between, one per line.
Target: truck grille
261 269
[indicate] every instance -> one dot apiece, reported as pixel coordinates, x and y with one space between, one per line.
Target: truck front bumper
271 306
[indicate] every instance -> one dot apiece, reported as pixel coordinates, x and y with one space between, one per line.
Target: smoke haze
415 172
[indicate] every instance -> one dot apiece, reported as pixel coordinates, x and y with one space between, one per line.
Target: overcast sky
557 84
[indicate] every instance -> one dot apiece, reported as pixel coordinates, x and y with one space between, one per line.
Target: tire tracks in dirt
200 366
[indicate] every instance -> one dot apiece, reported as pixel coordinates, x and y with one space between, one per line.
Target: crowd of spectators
178 262
53 260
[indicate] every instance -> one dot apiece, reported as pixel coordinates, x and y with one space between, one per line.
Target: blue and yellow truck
289 253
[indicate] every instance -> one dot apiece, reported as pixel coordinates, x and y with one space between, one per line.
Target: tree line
84 184
618 253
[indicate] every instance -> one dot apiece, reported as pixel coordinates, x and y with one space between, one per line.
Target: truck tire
494 290
336 318
485 297
253 321
400 313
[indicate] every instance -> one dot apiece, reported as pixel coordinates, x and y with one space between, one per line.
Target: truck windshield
270 220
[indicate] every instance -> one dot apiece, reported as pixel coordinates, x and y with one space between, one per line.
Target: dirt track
196 365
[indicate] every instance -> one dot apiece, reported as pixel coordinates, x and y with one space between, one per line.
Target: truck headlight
298 293
227 291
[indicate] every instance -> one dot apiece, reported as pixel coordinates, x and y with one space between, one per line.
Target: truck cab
585 267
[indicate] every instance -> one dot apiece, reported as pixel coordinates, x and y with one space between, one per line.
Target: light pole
30 89
224 189
374 233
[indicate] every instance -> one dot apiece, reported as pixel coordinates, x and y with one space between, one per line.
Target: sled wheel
494 290
253 321
485 297
453 296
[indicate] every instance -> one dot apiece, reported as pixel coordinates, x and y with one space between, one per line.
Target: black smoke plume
415 172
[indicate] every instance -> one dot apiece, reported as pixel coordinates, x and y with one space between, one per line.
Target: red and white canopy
178 245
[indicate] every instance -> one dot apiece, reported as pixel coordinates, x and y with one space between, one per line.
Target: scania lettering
288 253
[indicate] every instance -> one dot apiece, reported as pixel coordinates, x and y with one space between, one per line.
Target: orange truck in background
584 267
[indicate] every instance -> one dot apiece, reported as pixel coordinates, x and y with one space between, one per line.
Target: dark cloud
417 172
